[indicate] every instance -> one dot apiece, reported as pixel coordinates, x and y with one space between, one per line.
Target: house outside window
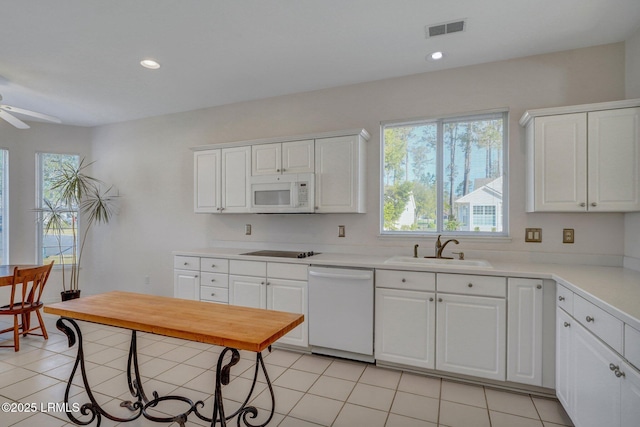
445 176
53 246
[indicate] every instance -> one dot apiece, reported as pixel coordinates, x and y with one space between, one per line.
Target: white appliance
292 193
341 312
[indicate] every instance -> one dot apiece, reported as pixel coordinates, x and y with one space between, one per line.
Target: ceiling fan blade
13 120
30 113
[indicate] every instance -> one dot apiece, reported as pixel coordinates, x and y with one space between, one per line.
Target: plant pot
67 295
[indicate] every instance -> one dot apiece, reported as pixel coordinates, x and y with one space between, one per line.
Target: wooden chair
26 291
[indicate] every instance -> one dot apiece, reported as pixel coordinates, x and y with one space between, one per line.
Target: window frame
440 121
39 205
4 202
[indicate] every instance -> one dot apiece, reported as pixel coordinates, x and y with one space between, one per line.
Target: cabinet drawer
214 265
219 280
211 293
413 280
280 270
473 285
564 299
632 345
248 268
602 324
186 262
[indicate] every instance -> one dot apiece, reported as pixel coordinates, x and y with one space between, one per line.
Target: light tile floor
310 390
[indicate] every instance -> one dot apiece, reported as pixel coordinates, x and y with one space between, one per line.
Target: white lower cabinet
524 334
278 287
186 284
564 359
471 335
596 398
405 327
594 383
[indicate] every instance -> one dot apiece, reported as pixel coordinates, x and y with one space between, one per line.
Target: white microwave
283 193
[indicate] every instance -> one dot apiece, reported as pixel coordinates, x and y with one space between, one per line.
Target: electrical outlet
568 235
341 231
247 229
533 235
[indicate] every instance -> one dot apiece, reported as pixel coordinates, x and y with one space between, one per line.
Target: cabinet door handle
560 298
213 266
195 276
213 294
539 287
213 280
567 324
404 280
590 319
583 204
268 283
186 263
619 373
262 283
439 299
431 299
613 367
470 285
594 204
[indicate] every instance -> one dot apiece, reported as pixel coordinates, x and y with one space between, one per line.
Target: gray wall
150 162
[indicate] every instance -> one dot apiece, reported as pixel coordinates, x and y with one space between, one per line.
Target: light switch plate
341 231
533 235
247 229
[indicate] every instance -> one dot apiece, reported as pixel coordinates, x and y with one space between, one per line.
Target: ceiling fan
5 111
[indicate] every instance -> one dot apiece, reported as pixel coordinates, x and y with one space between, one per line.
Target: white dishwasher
341 312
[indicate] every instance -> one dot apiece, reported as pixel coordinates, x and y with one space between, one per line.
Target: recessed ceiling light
150 64
435 56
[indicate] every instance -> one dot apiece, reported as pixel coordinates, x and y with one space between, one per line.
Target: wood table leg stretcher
235 328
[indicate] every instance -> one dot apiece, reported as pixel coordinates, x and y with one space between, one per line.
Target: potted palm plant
75 192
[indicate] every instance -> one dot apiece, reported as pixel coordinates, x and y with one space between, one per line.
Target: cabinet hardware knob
590 319
612 367
539 287
439 299
567 324
560 298
213 280
195 275
594 204
262 283
277 170
619 373
583 204
404 280
268 283
213 294
186 263
213 266
431 299
470 285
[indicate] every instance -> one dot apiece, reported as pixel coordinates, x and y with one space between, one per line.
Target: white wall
23 146
150 162
632 90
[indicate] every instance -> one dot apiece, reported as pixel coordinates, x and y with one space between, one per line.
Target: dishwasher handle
349 276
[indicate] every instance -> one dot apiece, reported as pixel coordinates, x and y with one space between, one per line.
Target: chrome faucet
440 246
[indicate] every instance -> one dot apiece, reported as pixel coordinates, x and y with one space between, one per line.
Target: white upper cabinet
207 179
584 158
340 174
221 180
282 158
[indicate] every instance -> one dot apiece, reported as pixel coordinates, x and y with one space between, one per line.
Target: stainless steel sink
470 263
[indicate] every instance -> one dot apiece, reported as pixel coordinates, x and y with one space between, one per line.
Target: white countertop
614 289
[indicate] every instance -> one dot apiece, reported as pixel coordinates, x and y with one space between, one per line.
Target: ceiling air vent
445 28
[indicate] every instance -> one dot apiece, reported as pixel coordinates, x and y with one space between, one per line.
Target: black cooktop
282 254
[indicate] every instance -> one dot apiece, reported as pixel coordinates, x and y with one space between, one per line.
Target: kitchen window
445 176
55 220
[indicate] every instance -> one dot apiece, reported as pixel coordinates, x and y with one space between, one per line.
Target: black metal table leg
92 408
223 377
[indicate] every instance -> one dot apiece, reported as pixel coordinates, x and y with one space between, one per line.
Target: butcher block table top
232 326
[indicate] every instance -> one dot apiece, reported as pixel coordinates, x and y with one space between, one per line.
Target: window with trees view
445 176
55 222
